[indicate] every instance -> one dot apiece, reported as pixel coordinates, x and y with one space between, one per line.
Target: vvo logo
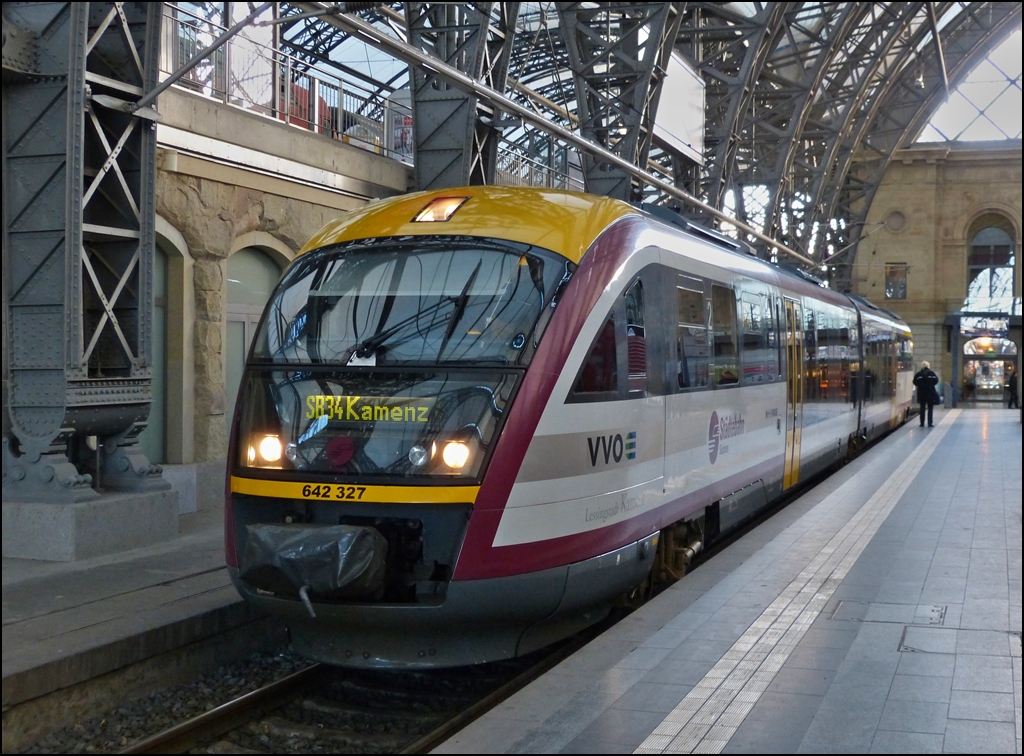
611 448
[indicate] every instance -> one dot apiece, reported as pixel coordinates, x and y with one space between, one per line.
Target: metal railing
258 77
516 169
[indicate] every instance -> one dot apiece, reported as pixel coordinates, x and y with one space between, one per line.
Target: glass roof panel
987 104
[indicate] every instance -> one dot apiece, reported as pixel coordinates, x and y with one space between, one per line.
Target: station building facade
941 248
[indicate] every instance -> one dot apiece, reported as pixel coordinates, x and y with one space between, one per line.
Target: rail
182 737
395 727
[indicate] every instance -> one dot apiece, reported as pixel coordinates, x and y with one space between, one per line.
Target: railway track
328 709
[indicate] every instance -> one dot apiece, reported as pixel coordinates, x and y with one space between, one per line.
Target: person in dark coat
1011 386
927 383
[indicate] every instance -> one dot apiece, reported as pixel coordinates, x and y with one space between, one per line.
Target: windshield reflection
415 300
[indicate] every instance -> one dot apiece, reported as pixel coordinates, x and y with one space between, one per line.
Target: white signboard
680 117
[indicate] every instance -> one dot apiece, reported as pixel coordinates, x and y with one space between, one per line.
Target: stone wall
940 190
211 215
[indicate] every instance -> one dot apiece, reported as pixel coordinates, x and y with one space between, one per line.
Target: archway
169 437
987 363
252 275
153 439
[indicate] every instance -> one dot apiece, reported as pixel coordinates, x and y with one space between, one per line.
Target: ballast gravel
142 718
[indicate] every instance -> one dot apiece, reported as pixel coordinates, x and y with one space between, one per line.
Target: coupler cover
330 561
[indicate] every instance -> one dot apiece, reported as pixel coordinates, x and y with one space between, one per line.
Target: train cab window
691 336
723 329
600 370
636 342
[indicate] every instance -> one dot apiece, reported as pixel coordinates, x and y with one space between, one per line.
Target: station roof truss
805 102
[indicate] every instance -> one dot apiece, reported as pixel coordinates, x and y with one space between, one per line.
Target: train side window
636 342
723 328
906 358
824 357
812 375
600 371
755 341
691 338
845 358
771 339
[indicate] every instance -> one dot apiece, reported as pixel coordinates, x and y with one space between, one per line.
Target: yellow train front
380 380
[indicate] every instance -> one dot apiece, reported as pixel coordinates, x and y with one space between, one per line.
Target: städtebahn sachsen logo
714 437
719 430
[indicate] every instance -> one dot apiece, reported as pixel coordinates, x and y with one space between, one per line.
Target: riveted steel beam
892 45
794 91
615 51
730 52
455 135
79 182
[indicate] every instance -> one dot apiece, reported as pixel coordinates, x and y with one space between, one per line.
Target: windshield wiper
460 308
370 345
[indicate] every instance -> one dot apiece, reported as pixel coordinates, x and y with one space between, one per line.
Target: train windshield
413 301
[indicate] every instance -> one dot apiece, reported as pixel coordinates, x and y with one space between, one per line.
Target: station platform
878 613
132 623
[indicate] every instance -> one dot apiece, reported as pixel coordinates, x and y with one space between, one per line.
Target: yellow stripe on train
282 489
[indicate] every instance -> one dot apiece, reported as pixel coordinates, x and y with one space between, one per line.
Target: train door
794 391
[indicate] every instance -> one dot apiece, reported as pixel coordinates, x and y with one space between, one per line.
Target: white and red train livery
469 415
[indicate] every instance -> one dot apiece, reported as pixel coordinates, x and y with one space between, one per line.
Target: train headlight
270 449
455 454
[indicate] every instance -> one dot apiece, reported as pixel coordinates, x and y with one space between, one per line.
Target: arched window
990 265
987 346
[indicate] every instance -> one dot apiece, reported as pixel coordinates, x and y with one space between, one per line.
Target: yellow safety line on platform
713 710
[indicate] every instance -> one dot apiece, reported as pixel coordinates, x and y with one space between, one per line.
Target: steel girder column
821 40
456 138
892 37
617 52
730 51
79 181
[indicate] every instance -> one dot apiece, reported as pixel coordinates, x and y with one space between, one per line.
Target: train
472 421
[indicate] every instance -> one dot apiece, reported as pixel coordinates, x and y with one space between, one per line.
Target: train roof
563 222
867 307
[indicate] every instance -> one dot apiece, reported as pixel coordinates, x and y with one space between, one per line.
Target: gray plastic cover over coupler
339 561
